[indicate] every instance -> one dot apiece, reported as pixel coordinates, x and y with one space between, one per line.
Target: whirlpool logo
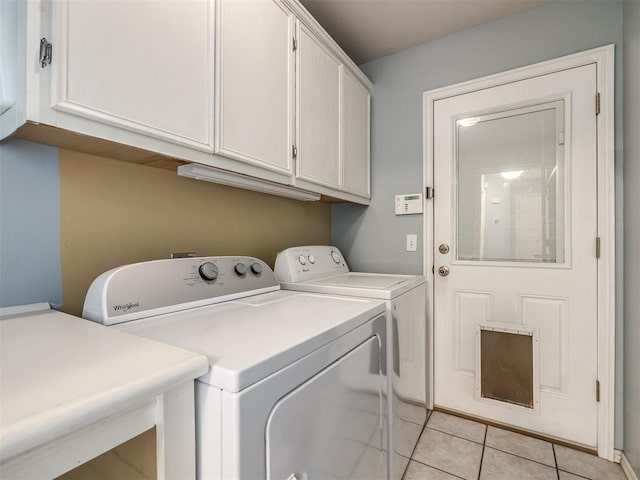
126 307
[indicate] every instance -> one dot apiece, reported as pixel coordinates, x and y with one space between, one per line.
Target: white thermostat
408 204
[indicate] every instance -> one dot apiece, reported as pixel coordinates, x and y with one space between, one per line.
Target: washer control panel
151 288
298 264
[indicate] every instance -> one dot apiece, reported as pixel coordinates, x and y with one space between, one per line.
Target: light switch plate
412 242
408 204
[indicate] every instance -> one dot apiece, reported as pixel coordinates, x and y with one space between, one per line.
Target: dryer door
331 425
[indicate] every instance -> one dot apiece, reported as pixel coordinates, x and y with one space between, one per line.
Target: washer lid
249 339
368 285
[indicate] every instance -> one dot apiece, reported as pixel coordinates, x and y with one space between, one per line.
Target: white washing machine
322 269
296 382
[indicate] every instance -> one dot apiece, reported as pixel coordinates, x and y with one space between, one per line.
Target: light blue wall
632 233
373 238
29 224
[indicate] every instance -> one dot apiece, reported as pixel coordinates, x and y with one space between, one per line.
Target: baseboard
617 455
627 468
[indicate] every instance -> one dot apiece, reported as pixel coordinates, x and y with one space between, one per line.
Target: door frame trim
603 58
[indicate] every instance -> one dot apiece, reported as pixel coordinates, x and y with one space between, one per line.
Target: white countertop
59 373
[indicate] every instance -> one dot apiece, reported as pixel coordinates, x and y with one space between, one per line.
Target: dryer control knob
240 269
208 271
335 256
312 259
256 268
302 259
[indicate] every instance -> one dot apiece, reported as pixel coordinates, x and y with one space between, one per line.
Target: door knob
443 271
443 248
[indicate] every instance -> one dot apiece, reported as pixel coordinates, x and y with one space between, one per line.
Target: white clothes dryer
295 385
323 269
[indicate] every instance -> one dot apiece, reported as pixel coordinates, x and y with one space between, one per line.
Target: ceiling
370 29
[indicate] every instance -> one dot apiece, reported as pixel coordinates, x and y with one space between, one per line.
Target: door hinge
294 151
597 103
45 52
597 390
295 44
597 247
429 193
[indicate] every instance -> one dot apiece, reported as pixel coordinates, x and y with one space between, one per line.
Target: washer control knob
302 259
240 269
256 268
335 256
312 259
208 271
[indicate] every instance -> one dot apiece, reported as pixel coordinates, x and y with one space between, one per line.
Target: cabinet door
255 83
318 112
141 66
354 119
12 65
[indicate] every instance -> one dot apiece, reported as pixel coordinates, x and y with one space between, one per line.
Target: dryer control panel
298 264
152 288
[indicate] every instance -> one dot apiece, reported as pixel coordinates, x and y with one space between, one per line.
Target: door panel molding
551 307
482 304
603 59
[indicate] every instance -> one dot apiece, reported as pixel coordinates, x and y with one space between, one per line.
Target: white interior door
515 227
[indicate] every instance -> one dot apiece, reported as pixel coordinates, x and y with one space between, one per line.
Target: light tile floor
451 448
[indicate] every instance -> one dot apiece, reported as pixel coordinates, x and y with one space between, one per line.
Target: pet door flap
507 362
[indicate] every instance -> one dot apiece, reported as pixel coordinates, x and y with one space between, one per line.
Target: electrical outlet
412 242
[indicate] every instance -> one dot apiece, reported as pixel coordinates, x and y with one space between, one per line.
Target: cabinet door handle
45 52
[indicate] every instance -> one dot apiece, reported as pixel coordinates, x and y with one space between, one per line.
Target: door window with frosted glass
509 185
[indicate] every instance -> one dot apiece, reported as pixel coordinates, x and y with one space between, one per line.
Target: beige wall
114 213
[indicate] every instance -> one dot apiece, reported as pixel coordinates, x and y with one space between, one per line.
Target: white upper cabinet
318 156
354 121
145 67
332 121
12 65
255 87
254 90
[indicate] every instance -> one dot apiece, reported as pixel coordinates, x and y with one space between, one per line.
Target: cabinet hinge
429 193
597 103
295 44
597 390
45 52
597 247
294 152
